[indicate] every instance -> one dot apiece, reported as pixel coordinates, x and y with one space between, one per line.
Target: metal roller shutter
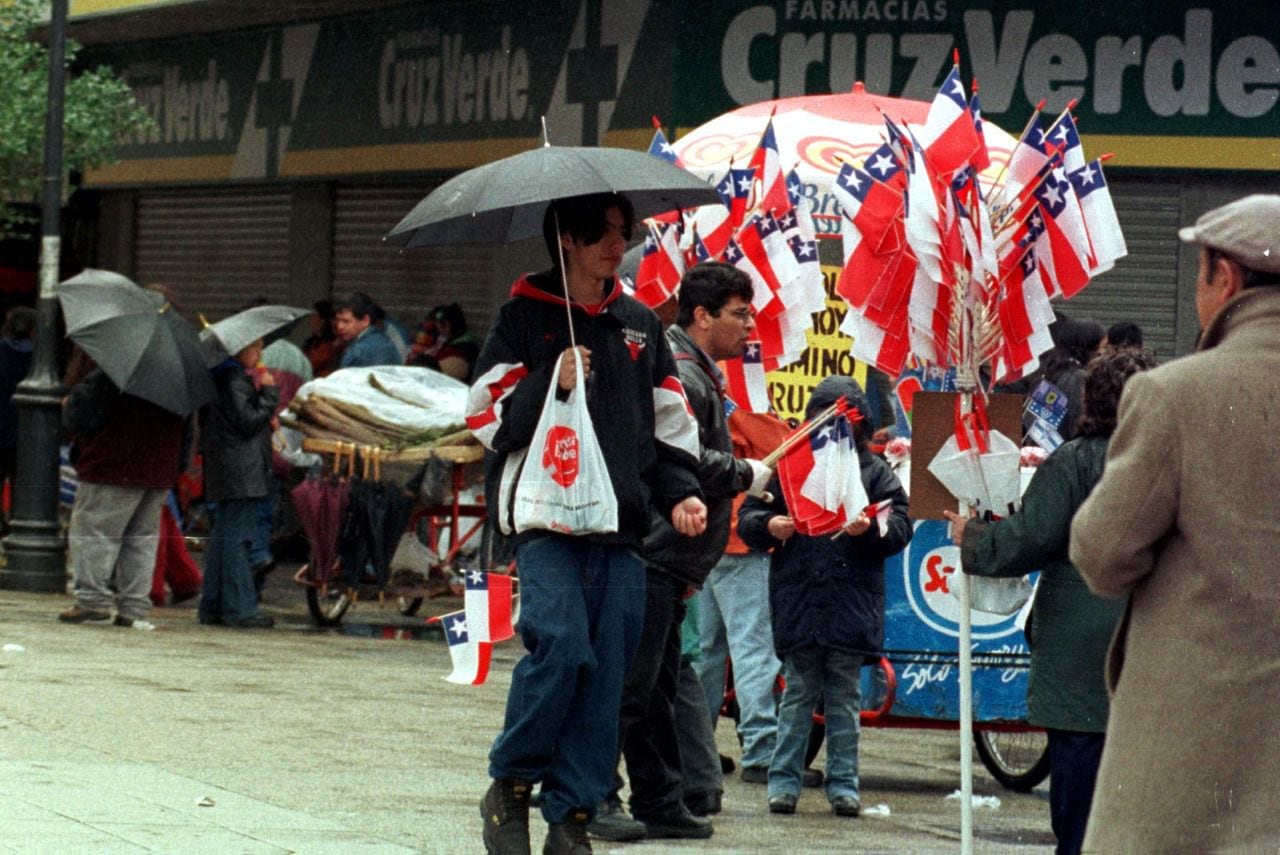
217 249
1143 286
407 284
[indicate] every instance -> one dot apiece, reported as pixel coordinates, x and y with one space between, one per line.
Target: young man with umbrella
582 596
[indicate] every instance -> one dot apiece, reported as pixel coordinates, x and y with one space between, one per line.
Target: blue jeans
733 621
581 608
834 676
228 593
1073 771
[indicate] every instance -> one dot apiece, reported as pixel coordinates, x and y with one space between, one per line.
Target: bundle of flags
764 231
942 266
820 475
488 616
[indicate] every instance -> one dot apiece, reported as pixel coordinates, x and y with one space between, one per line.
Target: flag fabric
660 148
821 479
661 265
767 167
981 158
487 603
1100 219
1065 237
1066 139
745 382
949 136
716 225
470 658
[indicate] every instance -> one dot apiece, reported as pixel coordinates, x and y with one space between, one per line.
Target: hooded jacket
830 592
721 475
636 402
235 436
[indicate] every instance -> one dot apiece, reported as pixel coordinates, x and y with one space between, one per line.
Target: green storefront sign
445 86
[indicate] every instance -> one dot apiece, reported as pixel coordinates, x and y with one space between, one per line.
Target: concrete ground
204 739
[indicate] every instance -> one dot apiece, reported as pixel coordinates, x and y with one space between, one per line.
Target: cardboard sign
932 421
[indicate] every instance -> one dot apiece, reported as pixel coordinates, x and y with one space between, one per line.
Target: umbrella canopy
504 201
816 133
137 339
234 334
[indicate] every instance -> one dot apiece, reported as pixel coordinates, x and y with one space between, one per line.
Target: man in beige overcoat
1186 520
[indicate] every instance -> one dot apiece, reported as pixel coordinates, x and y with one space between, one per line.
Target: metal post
35 552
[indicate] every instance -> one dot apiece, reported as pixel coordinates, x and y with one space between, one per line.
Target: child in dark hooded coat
827 600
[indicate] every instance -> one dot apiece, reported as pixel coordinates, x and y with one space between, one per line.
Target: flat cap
1247 229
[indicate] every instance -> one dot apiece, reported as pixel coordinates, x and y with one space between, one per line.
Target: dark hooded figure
827 600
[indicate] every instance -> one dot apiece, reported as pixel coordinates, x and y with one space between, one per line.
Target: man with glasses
713 323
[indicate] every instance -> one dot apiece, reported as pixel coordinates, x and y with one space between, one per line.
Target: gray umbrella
137 339
504 201
231 335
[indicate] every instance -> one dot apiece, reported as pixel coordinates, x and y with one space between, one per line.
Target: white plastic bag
998 596
564 484
987 481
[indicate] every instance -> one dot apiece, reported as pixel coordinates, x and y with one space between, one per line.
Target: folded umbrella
137 339
504 201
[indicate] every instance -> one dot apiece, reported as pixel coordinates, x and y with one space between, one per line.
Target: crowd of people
1151 545
137 470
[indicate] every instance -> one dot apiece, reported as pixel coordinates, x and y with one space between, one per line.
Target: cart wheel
327 605
409 605
1019 760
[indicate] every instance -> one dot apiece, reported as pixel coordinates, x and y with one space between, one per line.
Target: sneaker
133 623
79 614
253 622
813 778
568 837
612 823
678 824
846 806
755 774
505 810
782 803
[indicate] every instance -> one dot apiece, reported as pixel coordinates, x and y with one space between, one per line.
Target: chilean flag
949 135
487 603
767 164
470 658
745 382
661 265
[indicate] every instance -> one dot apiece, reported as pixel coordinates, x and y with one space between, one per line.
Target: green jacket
1070 628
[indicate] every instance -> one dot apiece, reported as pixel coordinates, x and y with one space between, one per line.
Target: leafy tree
99 110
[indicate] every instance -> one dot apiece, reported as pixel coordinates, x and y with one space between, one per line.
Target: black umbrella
504 201
137 339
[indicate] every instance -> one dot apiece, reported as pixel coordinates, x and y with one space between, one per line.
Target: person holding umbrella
129 421
127 452
582 596
236 443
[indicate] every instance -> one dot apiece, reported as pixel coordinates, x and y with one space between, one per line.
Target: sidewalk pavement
207 739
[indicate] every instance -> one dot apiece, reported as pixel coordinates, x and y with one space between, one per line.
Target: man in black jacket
581 595
714 323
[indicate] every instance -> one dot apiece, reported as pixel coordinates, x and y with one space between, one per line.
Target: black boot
568 837
505 809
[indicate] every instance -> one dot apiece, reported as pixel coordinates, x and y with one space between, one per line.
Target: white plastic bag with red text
563 484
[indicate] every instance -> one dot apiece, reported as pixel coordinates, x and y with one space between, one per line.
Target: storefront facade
283 150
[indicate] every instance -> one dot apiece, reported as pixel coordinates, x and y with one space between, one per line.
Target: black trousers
647 724
1073 770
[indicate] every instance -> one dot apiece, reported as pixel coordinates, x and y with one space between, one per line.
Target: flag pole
966 382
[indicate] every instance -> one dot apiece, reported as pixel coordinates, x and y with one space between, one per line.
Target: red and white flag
661 265
949 136
1100 217
470 658
487 603
744 379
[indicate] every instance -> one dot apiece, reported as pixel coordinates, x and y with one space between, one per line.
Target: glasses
743 314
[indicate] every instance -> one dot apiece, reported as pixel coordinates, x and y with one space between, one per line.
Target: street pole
34 549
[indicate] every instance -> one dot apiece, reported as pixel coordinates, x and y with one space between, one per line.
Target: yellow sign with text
829 352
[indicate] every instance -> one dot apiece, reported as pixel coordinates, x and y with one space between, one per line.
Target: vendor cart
441 525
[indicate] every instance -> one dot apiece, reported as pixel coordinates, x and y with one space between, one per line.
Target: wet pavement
296 739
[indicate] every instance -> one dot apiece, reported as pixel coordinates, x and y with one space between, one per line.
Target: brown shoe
79 614
568 837
505 810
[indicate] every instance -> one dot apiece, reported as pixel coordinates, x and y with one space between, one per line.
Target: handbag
560 482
